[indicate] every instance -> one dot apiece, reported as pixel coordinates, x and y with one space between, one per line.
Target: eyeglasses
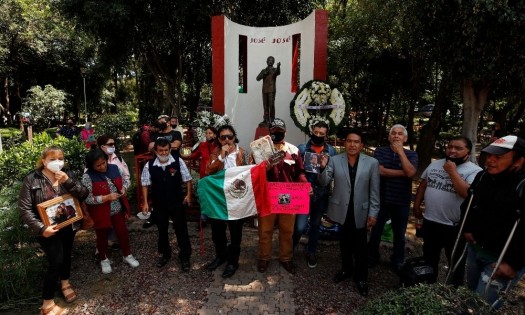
224 137
112 144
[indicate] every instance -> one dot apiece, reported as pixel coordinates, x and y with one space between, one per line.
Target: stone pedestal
261 132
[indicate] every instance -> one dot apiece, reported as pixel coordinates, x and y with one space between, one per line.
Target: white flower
300 111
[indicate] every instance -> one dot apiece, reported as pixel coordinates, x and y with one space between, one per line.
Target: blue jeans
318 203
479 269
399 216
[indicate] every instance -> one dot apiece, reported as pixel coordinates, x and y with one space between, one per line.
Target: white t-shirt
442 203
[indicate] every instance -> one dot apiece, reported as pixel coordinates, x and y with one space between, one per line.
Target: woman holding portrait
46 182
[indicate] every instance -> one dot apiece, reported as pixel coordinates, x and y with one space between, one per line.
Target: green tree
44 105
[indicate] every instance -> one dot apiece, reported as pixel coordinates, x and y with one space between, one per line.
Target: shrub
20 266
119 126
11 137
427 299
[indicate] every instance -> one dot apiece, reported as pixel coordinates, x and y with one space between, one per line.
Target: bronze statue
269 76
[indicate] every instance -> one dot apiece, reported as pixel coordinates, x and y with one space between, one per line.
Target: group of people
463 204
103 190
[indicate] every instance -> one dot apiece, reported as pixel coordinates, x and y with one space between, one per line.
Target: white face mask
110 150
55 165
163 158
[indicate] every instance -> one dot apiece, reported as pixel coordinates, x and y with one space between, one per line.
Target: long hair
51 148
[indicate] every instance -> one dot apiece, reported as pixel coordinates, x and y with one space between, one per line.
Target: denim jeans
479 269
318 204
399 216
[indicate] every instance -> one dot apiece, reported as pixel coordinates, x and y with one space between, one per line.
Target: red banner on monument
289 198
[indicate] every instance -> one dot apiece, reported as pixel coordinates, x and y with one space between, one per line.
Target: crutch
498 263
503 251
453 267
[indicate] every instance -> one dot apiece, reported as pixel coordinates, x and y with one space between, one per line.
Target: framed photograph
61 211
312 162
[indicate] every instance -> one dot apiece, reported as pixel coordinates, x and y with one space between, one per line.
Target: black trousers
353 248
438 236
218 234
176 213
58 253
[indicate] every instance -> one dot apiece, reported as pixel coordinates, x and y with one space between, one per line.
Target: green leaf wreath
317 101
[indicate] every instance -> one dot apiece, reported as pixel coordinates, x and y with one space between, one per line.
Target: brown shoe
289 266
262 265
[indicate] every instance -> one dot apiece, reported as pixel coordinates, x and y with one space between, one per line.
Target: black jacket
496 206
32 193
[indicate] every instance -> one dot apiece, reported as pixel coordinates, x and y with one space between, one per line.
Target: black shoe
163 261
262 265
114 246
97 258
312 260
341 275
229 271
215 263
288 266
362 288
185 265
147 225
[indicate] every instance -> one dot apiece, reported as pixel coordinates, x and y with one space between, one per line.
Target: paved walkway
249 291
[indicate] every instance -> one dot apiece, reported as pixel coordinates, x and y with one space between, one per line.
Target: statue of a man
269 76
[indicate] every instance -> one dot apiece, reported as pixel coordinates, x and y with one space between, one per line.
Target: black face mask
316 139
457 160
174 126
163 126
277 136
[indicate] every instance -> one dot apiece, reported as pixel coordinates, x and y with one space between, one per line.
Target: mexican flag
234 193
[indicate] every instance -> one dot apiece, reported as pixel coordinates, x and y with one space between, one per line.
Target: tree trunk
475 95
430 131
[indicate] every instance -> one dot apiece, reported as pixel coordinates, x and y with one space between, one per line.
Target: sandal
53 310
71 296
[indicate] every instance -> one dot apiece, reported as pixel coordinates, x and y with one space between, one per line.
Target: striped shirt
395 190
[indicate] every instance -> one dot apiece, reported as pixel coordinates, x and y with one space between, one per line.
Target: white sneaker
106 265
131 261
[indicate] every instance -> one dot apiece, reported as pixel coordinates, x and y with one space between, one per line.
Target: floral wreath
316 101
205 119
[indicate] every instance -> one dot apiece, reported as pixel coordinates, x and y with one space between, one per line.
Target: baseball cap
277 123
506 144
163 116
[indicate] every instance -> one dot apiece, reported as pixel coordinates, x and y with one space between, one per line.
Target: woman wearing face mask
47 182
107 144
227 155
107 205
88 135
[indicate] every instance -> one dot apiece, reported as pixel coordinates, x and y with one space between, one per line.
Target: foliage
44 105
11 137
38 46
18 161
316 101
20 266
118 125
427 299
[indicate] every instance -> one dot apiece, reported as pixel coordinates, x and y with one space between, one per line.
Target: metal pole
85 100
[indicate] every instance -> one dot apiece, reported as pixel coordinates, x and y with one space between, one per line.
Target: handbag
87 221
